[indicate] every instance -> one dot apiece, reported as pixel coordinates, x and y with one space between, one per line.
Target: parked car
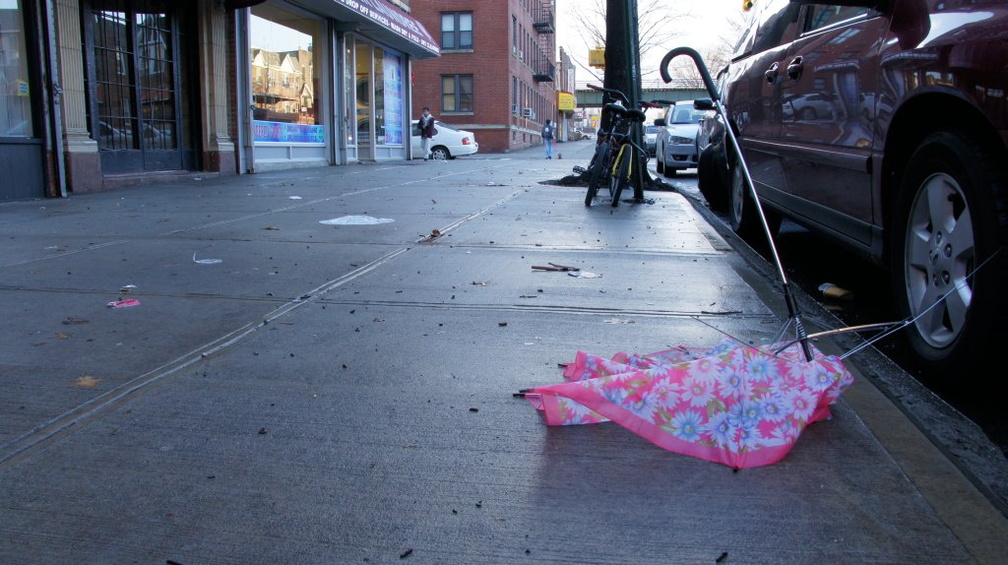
651 138
882 125
675 145
449 142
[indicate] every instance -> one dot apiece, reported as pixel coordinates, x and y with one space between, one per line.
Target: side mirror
660 122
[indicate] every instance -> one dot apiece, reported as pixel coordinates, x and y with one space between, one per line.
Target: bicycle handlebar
623 97
704 73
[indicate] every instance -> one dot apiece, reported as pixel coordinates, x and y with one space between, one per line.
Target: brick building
496 75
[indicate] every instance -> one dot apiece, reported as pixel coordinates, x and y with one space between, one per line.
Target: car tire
440 153
945 231
659 165
709 182
745 219
669 172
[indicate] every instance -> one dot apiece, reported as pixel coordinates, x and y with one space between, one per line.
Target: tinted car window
777 26
820 15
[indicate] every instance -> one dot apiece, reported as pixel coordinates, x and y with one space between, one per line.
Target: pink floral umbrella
733 404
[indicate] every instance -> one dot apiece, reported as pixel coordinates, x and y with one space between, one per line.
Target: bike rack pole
792 304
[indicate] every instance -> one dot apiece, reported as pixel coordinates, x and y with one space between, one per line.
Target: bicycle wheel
621 174
598 172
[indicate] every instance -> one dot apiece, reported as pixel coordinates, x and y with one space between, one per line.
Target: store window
15 96
457 93
389 100
284 82
456 30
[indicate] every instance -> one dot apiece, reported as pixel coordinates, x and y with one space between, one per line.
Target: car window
685 114
778 25
824 15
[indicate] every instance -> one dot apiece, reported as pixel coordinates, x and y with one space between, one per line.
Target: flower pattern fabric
733 404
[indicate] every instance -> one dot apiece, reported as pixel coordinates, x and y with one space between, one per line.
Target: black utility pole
622 70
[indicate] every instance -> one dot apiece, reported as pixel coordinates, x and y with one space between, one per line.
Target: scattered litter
585 275
356 221
74 321
123 303
294 197
481 283
127 288
206 261
502 324
830 290
618 321
86 381
271 228
554 267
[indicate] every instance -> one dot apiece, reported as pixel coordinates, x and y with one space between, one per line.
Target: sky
704 24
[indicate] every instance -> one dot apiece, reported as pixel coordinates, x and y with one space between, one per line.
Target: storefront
21 126
326 82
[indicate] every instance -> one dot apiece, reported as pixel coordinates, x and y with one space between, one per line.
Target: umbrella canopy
734 404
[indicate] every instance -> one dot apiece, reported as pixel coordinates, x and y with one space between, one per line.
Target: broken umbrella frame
735 404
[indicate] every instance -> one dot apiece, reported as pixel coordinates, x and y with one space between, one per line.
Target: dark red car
882 124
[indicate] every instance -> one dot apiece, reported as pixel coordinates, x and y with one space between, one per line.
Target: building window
457 93
456 30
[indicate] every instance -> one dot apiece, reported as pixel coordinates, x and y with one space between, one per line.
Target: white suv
676 147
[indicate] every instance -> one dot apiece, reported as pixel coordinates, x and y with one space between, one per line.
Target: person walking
549 138
426 124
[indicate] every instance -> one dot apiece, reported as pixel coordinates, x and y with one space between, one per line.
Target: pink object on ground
733 404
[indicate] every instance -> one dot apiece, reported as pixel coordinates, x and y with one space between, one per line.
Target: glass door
135 83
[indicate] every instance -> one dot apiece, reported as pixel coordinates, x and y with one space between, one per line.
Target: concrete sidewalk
309 377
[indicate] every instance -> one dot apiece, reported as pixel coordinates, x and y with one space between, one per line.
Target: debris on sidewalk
356 221
123 303
86 381
830 290
206 261
585 275
554 267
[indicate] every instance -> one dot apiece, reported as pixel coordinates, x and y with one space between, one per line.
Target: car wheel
946 230
659 165
745 220
709 182
440 153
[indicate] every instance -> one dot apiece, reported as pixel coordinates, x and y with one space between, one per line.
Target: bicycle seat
636 115
615 108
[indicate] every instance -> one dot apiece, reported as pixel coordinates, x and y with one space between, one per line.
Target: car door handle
794 68
772 72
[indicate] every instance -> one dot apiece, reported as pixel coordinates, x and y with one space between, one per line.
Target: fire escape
542 65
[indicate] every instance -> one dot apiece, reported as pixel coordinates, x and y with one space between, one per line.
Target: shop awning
383 21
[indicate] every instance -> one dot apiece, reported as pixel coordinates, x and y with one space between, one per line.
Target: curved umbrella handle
789 299
701 66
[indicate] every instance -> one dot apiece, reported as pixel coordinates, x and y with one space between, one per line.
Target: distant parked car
882 125
448 143
675 146
651 138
